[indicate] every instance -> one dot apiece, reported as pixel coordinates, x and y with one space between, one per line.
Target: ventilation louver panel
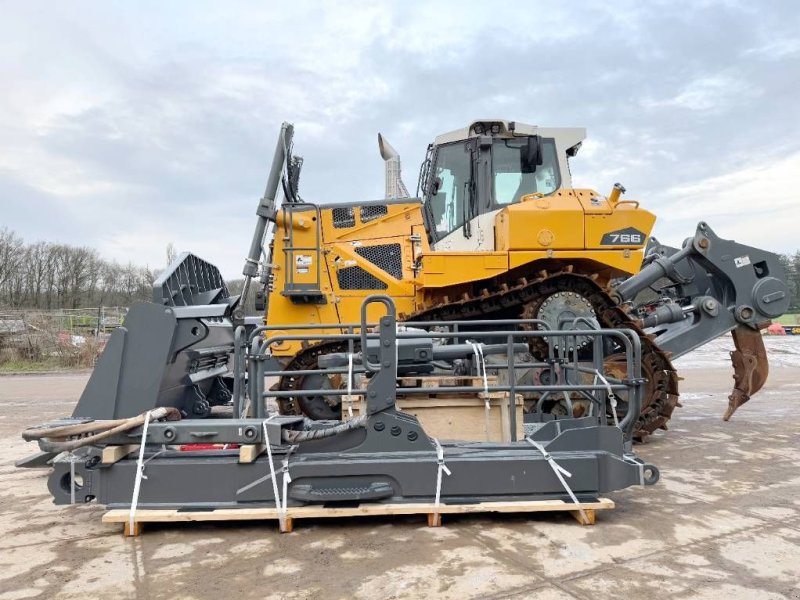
344 217
356 278
386 256
370 213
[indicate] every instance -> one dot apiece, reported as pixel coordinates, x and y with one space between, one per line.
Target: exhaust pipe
395 188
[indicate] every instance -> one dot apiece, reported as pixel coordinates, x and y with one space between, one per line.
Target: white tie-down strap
280 501
612 398
287 479
350 384
440 468
137 482
560 473
480 362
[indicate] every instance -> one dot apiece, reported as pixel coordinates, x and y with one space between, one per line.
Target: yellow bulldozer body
327 259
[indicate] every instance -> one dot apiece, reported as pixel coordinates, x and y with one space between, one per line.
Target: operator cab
472 173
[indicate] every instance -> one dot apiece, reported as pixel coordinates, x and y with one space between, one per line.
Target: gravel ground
720 523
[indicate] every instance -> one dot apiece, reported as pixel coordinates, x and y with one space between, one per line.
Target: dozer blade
750 367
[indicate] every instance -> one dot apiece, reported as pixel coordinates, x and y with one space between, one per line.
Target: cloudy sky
126 126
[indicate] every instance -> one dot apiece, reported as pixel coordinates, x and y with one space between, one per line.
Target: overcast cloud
126 126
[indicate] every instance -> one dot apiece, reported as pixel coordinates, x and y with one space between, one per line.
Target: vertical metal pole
237 372
597 362
260 400
512 393
251 378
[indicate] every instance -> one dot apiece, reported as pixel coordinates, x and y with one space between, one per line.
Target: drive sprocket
317 406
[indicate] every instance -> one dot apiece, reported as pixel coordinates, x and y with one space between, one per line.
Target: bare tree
46 275
171 253
11 255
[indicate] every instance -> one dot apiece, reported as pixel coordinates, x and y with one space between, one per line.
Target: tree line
45 275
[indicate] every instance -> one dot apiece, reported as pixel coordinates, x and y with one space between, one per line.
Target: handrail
252 350
567 361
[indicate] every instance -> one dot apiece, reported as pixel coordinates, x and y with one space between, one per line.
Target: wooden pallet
453 416
432 382
366 509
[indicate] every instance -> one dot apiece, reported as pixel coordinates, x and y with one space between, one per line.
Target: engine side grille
344 217
356 278
370 213
386 256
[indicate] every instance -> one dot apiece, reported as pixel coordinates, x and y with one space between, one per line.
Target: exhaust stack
395 188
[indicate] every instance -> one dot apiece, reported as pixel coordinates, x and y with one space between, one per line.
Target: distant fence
63 337
81 321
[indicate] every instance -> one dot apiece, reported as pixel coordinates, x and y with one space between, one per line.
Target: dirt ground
722 523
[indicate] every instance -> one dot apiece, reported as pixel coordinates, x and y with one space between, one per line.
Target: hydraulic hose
294 437
56 439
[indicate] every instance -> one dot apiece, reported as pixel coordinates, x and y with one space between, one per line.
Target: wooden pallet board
431 383
112 454
362 510
435 381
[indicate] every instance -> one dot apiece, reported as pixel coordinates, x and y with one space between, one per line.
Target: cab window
451 176
511 182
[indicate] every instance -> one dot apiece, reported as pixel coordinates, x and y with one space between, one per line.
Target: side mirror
436 184
532 157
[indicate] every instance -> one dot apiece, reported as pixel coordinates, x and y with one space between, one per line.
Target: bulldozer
497 230
499 259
